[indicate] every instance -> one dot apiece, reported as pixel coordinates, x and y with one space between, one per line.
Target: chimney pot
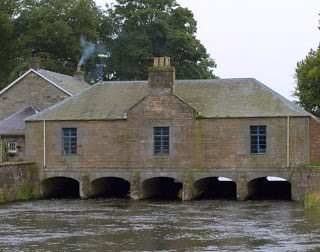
34 62
79 74
161 61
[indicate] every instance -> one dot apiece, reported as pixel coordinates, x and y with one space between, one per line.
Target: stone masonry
200 147
32 89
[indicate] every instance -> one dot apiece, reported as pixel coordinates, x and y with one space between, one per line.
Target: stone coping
16 163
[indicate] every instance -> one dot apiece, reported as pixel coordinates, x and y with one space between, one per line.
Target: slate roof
66 83
217 98
15 124
69 83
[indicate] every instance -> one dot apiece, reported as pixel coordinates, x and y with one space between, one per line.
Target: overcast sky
261 39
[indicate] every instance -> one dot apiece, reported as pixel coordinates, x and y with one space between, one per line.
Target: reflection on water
124 225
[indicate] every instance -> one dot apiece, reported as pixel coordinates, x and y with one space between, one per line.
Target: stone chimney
79 74
34 62
161 77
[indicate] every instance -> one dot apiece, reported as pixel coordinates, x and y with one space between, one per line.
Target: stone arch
215 188
287 175
108 187
262 188
60 187
161 188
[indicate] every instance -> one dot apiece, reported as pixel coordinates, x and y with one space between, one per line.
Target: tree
53 29
308 82
8 10
134 31
143 29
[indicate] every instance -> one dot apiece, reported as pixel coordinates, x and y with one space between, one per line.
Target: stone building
168 137
35 90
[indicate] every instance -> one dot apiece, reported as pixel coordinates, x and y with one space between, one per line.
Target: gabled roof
235 98
217 98
15 124
110 100
68 84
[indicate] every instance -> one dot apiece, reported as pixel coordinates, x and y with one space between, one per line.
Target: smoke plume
88 49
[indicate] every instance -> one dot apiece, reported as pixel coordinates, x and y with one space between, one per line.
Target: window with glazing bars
69 141
12 146
161 140
258 139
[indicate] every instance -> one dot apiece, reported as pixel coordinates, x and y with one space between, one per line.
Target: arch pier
185 185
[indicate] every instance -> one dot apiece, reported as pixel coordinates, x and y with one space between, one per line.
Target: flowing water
124 225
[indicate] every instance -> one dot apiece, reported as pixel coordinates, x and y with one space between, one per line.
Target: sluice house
172 138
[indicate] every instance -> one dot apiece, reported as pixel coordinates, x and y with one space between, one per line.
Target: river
150 225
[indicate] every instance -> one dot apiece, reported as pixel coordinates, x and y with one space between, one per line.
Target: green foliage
26 191
5 151
133 31
312 201
200 116
313 165
2 196
50 27
146 28
308 82
8 10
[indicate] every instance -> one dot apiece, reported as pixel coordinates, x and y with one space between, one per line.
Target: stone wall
19 155
314 142
305 180
18 181
32 89
225 143
195 144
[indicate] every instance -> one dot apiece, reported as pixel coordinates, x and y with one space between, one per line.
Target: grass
313 165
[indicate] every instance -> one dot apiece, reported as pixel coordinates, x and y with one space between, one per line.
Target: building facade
190 132
34 91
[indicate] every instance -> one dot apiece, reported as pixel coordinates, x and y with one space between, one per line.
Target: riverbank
312 201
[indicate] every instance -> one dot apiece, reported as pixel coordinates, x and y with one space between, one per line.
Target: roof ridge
65 75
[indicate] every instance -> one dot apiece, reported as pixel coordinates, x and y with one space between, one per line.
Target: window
161 140
12 147
258 139
69 141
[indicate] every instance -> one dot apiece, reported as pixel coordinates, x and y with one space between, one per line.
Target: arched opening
110 187
161 188
269 188
60 187
215 188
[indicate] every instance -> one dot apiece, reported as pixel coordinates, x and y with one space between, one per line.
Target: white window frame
12 147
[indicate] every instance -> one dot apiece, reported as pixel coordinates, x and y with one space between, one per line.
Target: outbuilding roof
217 98
68 84
15 124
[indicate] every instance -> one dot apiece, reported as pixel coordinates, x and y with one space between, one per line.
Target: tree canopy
308 82
131 31
143 29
